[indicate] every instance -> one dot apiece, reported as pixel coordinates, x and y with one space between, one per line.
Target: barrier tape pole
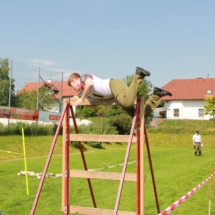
211 186
185 197
25 161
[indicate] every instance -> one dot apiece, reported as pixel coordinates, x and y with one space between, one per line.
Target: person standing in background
197 141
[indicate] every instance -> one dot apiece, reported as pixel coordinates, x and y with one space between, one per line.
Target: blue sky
173 39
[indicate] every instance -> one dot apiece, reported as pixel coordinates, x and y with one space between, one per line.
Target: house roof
190 89
55 86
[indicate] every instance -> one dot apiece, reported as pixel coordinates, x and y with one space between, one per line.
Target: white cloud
38 62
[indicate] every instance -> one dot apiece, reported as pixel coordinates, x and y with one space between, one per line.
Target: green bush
25 126
3 129
75 145
122 123
114 111
29 129
85 111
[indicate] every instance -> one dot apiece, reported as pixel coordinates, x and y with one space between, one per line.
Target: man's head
74 82
197 132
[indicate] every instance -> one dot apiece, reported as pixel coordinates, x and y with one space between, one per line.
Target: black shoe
142 72
159 92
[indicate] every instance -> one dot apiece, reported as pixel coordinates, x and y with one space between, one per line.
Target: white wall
188 109
86 122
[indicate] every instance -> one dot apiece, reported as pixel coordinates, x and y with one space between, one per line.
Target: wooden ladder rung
101 138
96 211
102 175
93 102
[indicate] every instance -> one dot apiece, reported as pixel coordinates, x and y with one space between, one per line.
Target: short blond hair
73 76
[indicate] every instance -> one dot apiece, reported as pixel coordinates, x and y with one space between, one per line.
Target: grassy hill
176 170
169 133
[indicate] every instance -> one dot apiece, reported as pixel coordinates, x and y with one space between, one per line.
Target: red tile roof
190 89
66 92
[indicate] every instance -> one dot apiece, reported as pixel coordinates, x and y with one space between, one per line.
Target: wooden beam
63 156
96 211
101 175
93 102
89 101
101 138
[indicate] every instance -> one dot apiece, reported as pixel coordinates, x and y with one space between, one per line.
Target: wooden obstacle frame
138 177
140 139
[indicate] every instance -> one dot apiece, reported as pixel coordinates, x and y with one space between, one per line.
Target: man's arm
88 84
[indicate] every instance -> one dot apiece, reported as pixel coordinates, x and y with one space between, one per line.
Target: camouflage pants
197 147
126 95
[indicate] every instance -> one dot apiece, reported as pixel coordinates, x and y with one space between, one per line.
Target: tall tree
28 99
210 106
5 83
144 88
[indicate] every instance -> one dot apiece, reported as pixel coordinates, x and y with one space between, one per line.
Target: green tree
144 88
5 84
114 110
88 112
101 110
210 107
28 99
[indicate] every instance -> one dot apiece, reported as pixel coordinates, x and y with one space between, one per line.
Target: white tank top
101 87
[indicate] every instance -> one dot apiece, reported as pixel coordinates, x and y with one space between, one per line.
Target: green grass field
176 170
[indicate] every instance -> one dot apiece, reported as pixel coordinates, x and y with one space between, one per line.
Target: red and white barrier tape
173 206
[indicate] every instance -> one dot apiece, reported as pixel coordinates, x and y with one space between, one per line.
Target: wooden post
65 161
142 139
138 191
138 177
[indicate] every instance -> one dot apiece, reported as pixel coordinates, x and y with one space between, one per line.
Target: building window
209 91
201 112
176 112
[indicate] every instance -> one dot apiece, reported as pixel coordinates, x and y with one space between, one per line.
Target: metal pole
61 93
38 90
9 99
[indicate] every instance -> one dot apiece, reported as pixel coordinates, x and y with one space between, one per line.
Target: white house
188 98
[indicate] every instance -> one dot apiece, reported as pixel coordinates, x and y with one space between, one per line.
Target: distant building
65 92
61 90
188 99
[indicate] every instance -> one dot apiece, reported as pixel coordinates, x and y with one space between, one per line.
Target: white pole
211 186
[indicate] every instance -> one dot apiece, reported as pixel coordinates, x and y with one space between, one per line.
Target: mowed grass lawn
176 170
